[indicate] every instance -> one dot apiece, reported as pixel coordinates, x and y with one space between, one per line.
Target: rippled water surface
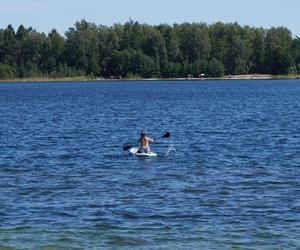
233 182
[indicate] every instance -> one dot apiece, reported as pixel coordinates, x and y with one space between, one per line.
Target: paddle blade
126 147
166 135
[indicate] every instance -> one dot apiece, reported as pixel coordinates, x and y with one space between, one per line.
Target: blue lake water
233 182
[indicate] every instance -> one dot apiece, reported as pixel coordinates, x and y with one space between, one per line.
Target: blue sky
44 15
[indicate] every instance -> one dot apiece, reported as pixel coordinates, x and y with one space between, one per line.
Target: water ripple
233 181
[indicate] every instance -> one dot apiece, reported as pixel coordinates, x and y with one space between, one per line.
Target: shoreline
90 79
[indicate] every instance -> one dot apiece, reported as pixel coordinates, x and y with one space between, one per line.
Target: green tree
56 49
155 46
109 44
148 51
133 35
277 51
172 42
198 67
193 41
170 69
215 68
144 66
295 52
126 59
21 36
258 55
7 71
231 44
32 54
82 47
8 47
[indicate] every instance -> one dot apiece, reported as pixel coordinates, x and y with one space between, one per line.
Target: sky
44 15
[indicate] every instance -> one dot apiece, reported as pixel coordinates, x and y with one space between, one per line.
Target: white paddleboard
134 151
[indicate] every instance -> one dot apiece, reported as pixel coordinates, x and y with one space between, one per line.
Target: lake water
233 182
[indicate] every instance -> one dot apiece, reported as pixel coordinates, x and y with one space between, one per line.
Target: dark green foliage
295 52
215 68
193 41
82 48
7 71
199 67
277 51
142 50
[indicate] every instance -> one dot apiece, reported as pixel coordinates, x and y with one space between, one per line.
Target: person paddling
144 142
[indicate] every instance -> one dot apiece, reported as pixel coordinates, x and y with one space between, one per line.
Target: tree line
140 50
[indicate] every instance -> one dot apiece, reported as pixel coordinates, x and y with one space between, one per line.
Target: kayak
134 151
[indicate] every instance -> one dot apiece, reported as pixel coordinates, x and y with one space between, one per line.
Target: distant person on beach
144 142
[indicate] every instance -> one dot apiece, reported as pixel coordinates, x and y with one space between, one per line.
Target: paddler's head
143 133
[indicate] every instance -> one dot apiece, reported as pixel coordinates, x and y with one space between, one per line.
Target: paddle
128 146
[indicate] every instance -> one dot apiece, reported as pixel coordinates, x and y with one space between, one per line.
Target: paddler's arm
150 139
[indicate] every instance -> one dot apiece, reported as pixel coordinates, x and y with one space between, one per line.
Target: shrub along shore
139 51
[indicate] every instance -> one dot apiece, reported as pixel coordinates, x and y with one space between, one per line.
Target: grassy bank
49 79
289 76
86 78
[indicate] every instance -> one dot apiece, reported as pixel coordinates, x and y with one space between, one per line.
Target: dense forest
140 50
